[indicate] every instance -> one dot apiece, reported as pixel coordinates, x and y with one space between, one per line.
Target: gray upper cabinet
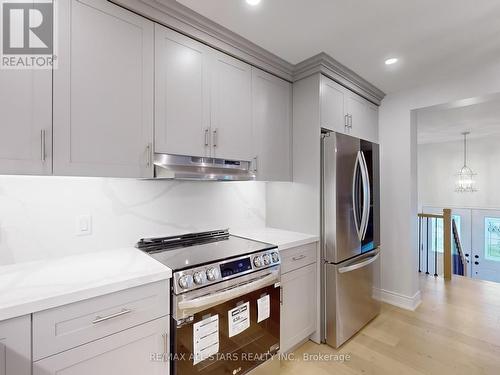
272 125
231 124
203 100
26 129
182 94
363 117
15 346
103 91
333 116
346 112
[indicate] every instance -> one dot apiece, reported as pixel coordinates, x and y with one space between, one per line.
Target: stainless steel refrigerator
350 236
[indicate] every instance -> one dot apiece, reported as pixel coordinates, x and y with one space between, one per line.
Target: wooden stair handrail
431 216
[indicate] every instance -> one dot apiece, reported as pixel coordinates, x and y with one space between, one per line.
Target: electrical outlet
84 225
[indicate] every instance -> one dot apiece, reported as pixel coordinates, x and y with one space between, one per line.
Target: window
436 230
492 238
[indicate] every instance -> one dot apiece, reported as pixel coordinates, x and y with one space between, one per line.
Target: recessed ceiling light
253 2
391 61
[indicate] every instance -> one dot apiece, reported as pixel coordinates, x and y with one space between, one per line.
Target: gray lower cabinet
140 350
299 300
15 346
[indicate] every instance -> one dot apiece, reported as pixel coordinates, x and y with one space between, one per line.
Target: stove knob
258 261
200 277
267 259
186 281
276 257
212 274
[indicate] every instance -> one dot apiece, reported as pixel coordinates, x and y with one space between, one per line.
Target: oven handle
205 302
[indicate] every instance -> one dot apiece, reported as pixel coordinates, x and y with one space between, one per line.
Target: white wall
438 164
398 171
38 215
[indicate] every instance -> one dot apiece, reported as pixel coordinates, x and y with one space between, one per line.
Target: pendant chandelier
465 181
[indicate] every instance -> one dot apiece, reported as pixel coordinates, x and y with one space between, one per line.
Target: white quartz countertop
282 238
29 287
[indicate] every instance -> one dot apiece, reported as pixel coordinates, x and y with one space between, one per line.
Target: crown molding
328 66
180 18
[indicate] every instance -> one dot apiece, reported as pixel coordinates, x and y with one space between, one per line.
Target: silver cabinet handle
300 257
43 154
207 141
99 319
256 164
148 155
346 121
214 138
350 121
165 343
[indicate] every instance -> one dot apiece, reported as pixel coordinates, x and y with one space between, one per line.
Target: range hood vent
200 168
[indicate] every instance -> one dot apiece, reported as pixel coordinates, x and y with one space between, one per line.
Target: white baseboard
399 300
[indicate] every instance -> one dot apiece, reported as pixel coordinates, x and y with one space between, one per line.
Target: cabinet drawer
297 257
66 327
140 350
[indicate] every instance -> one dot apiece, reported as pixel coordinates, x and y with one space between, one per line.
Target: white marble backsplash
38 215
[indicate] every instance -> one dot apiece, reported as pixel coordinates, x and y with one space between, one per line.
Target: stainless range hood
201 168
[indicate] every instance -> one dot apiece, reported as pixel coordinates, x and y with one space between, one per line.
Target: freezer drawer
349 296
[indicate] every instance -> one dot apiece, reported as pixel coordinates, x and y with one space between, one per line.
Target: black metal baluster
435 246
419 244
427 247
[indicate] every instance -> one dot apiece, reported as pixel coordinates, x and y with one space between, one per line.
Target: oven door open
247 328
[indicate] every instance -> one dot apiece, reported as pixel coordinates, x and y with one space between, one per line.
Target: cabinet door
15 346
26 109
332 106
139 350
103 91
364 117
272 123
231 108
298 313
182 110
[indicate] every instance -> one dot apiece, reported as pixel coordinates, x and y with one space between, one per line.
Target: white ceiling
433 38
436 125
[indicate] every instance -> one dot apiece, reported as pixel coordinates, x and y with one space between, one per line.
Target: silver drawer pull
298 258
99 319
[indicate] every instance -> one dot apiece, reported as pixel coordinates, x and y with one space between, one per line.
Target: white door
332 106
103 91
298 313
231 108
26 125
140 350
485 253
15 346
182 100
272 123
363 117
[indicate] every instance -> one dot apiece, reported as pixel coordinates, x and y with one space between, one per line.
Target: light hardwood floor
456 330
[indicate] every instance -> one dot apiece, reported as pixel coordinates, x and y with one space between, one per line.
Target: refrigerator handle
359 265
354 195
366 196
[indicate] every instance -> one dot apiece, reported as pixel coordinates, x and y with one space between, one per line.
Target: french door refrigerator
350 235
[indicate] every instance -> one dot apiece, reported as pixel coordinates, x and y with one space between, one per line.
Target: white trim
399 300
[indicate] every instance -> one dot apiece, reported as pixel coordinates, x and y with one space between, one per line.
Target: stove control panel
199 277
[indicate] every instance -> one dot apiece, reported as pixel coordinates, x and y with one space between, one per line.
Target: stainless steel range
225 301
